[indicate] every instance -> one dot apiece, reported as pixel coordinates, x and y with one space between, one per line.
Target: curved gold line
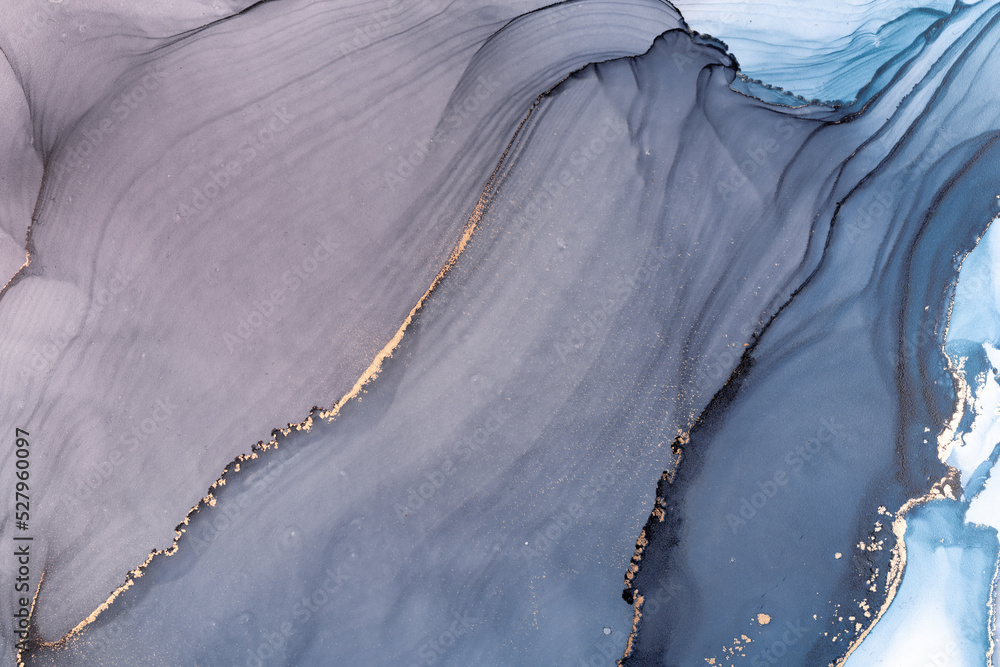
944 488
369 374
485 199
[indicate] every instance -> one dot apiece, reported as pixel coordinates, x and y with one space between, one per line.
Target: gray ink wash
649 269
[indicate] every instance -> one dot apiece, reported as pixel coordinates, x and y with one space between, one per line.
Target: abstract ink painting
444 332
